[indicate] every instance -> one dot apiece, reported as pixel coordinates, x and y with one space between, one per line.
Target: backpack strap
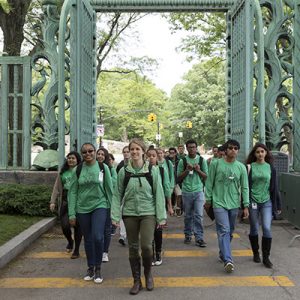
128 175
162 175
79 169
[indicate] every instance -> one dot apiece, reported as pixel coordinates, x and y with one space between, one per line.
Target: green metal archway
240 68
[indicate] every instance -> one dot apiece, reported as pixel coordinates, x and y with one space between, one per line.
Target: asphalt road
45 271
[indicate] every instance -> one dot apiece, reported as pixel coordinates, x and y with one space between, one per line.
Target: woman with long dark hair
264 200
103 157
59 197
89 197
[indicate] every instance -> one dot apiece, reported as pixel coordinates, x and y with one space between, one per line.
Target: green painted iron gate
242 75
82 58
82 73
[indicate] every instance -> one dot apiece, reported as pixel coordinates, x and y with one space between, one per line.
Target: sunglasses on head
233 148
88 151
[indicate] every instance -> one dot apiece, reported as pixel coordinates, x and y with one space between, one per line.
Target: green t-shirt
192 182
168 167
225 184
261 176
66 178
87 192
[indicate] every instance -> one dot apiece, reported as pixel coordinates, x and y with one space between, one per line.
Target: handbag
210 212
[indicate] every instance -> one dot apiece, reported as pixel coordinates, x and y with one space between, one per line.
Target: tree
127 100
201 100
207 33
12 20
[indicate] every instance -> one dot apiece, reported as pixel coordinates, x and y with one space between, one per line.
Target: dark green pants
140 234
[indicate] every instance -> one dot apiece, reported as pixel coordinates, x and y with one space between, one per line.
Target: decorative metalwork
45 90
242 74
83 67
296 88
162 5
15 142
279 44
228 79
83 70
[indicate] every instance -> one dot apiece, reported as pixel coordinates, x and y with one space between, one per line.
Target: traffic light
152 117
189 124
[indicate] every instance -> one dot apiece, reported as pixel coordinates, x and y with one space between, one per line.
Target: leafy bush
32 200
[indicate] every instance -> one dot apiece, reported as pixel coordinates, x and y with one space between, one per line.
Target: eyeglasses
88 151
236 148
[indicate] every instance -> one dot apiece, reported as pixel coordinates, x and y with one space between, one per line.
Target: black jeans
65 225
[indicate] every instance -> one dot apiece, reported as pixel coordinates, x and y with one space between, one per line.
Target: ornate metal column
279 44
296 88
44 91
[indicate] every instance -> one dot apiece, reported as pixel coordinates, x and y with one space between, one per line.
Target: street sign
158 137
100 130
180 134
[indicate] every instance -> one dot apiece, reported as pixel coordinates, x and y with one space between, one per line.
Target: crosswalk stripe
181 235
200 253
166 253
222 281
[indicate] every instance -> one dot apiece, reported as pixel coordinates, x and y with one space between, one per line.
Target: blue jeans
193 214
92 225
225 223
265 211
107 232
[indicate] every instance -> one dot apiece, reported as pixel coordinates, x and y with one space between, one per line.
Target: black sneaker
69 247
158 260
98 278
187 240
122 241
89 274
229 267
201 243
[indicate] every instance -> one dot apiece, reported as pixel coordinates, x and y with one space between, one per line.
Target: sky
156 41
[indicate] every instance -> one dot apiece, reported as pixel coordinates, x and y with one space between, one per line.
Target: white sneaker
158 262
105 257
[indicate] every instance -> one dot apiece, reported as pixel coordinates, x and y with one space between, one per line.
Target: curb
20 242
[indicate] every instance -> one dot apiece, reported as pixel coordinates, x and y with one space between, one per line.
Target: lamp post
158 136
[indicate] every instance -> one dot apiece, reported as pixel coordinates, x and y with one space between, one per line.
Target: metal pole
100 121
158 137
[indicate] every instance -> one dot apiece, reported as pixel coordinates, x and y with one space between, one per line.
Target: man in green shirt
227 181
192 170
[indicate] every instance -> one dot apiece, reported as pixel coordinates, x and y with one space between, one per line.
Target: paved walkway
45 271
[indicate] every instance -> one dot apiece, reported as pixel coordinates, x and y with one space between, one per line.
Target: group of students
93 197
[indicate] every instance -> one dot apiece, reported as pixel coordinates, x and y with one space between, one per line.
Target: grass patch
10 226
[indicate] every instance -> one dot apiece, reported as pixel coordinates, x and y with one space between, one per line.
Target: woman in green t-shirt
59 198
264 200
89 198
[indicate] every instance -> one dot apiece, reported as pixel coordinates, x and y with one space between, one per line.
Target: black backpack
129 175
